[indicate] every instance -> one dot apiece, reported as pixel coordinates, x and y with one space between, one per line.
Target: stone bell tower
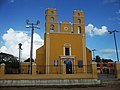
78 21
51 24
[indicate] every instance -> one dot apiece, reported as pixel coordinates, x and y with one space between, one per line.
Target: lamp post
114 31
19 54
93 53
32 25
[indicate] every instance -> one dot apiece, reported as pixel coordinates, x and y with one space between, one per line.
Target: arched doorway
68 66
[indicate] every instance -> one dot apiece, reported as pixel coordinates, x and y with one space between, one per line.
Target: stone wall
49 82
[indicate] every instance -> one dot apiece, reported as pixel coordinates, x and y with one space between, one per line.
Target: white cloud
12 38
108 51
92 31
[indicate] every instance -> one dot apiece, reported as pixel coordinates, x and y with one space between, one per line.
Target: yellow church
64 58
63 46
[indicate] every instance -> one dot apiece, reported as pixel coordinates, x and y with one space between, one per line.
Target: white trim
63 33
70 51
65 46
70 57
47 53
84 52
93 63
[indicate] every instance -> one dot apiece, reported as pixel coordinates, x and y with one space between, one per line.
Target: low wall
48 79
44 76
49 82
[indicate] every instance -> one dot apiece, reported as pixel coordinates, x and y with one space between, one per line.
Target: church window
80 63
51 19
67 52
55 62
51 12
78 14
79 21
67 49
79 29
52 28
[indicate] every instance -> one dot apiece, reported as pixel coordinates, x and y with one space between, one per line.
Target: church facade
64 46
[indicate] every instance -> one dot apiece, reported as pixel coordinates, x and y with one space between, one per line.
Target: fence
51 71
24 69
83 69
91 72
41 69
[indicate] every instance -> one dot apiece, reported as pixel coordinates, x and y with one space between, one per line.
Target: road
108 87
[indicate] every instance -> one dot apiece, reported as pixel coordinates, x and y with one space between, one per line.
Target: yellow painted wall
40 56
54 42
57 41
88 56
65 27
42 76
40 59
24 67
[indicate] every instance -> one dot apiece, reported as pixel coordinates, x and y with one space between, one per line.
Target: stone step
110 83
49 82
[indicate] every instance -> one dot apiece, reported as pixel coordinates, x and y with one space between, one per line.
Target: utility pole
32 25
114 33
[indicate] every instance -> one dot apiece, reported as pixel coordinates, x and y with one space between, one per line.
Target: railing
41 69
11 70
24 69
83 69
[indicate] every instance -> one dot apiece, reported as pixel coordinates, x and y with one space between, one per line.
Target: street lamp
19 54
32 25
114 31
93 53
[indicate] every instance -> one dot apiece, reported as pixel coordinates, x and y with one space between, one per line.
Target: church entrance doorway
68 66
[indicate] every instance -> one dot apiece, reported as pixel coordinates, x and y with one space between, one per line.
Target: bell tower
78 22
79 28
51 24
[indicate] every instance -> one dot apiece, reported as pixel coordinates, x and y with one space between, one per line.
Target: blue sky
99 14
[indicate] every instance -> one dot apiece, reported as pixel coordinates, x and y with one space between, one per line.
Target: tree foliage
98 59
9 60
